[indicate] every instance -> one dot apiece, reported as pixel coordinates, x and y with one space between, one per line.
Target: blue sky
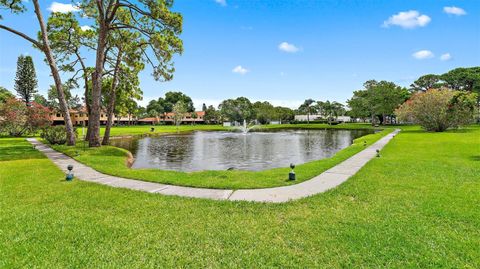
288 51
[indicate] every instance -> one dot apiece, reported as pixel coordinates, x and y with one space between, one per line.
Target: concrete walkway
321 183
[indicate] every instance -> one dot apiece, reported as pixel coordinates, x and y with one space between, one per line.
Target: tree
25 79
171 98
331 110
426 82
238 110
437 110
43 44
124 80
194 117
283 114
204 107
155 108
67 41
179 111
211 115
157 29
16 119
467 79
41 100
5 95
264 111
378 99
359 106
307 107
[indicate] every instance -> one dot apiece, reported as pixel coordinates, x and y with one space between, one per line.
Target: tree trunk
56 77
111 103
94 116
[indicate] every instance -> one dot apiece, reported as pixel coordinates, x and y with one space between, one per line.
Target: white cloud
286 47
408 20
423 54
454 11
223 3
86 28
445 57
240 70
62 8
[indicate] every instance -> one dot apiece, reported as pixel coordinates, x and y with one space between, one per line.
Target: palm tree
308 105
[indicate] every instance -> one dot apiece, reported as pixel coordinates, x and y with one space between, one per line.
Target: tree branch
31 40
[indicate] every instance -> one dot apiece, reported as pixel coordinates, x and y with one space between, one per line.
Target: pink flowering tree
17 119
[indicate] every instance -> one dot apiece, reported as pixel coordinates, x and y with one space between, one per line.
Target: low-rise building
169 118
80 118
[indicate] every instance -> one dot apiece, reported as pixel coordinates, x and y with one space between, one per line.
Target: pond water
253 151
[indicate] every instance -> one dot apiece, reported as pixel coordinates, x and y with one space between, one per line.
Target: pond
201 150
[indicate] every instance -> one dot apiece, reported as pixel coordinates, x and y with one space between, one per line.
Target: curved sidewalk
321 183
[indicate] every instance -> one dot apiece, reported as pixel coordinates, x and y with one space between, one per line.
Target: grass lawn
415 207
160 129
112 160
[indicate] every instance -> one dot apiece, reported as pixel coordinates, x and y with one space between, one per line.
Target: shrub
55 134
438 110
17 118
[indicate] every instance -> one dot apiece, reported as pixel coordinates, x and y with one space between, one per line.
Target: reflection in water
222 150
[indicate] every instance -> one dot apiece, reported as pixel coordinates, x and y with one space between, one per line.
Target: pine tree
26 79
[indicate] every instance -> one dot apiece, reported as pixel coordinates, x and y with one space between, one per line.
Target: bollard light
291 175
364 143
69 176
378 153
152 129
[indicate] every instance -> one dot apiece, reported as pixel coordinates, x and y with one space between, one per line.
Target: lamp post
69 176
291 175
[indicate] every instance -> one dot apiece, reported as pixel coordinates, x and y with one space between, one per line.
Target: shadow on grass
475 158
19 152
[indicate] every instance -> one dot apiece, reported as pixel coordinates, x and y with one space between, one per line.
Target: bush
437 110
17 118
55 134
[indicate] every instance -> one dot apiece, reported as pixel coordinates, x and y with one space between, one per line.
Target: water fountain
244 128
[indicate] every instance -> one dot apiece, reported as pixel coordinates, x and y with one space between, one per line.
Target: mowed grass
113 161
161 129
417 206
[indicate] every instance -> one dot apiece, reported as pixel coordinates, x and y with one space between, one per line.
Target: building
169 118
80 118
314 117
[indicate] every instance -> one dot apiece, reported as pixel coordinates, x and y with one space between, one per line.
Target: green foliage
17 119
379 98
467 79
55 135
179 110
438 110
426 82
171 98
25 79
5 94
211 115
238 110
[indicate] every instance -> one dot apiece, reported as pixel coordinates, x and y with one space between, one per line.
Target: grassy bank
415 207
161 129
112 160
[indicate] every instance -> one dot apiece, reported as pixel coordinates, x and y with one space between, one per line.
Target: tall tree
18 6
204 107
171 98
158 27
238 110
179 111
25 79
306 107
426 82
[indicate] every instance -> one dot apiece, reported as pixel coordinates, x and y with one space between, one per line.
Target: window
58 115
